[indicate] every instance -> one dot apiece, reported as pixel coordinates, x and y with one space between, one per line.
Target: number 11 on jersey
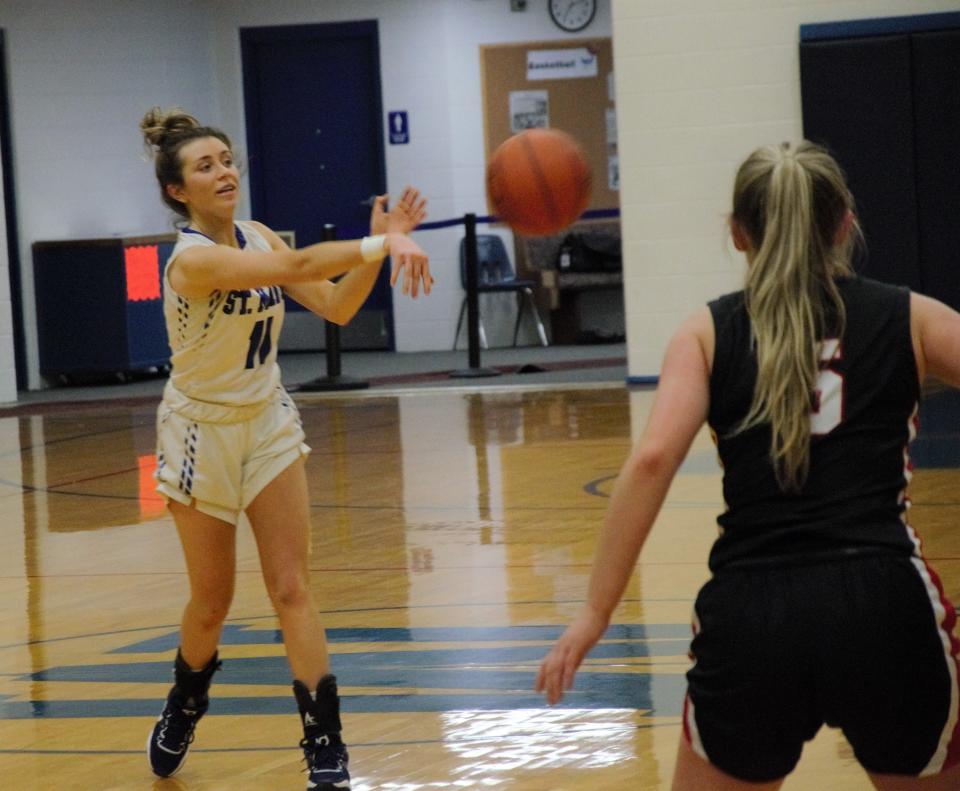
261 342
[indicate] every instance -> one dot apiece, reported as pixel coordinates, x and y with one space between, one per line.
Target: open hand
404 217
409 259
560 665
378 215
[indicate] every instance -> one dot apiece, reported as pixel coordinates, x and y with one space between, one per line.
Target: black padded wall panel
936 102
856 96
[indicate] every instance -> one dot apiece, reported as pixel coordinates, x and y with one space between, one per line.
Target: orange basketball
539 181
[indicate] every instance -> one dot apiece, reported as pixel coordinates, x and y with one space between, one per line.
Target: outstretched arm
679 410
339 302
200 270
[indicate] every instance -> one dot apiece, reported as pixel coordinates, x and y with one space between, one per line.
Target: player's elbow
338 317
297 267
651 459
336 311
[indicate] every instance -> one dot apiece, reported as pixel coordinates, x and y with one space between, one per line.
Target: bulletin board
581 106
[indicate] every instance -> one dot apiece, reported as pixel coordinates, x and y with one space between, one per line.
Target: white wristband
373 248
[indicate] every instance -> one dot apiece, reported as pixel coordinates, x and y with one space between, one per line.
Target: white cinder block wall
81 74
430 66
700 84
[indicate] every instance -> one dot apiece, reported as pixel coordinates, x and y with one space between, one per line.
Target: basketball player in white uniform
229 437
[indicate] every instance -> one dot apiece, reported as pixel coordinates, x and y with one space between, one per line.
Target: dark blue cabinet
99 304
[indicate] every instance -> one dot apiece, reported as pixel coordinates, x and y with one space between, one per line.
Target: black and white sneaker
326 757
171 736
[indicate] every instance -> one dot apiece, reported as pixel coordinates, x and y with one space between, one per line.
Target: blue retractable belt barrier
335 381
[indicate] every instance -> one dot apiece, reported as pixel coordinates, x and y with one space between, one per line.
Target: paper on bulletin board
613 172
561 64
611 117
529 110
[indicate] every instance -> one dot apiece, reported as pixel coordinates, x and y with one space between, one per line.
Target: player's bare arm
679 410
340 302
200 270
935 328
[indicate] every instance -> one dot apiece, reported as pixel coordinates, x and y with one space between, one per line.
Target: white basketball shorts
220 467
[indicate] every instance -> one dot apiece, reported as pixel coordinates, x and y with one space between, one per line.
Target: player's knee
210 612
289 592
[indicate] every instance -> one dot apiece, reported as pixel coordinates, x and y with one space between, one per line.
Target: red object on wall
143 272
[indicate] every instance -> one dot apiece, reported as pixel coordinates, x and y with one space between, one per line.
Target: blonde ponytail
791 203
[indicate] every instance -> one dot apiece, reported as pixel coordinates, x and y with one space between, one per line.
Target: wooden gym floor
452 538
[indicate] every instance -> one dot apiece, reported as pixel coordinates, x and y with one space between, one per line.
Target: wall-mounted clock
572 15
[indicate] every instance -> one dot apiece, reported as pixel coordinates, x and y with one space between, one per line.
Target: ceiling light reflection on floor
494 743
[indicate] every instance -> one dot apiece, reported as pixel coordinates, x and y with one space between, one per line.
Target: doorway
881 95
315 137
10 218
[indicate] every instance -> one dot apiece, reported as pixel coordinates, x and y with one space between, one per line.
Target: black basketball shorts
865 644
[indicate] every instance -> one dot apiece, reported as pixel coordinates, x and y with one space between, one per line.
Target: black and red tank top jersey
863 418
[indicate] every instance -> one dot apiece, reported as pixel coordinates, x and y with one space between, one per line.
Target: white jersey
224 346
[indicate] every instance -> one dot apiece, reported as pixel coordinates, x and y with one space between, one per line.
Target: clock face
572 15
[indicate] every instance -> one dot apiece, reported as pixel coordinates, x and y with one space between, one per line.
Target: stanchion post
331 330
473 296
333 380
473 303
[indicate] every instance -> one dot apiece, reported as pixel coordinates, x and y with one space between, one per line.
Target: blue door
314 131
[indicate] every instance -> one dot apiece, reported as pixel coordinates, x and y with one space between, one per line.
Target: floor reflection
496 744
452 537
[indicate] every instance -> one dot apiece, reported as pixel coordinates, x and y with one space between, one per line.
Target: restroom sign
399 127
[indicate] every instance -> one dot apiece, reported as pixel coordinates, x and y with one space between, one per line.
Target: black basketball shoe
173 733
323 749
186 703
326 757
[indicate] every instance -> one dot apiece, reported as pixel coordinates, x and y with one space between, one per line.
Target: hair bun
157 124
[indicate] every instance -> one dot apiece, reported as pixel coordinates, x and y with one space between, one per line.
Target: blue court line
597 691
391 608
435 224
476 677
441 668
237 634
350 232
593 487
234 634
351 745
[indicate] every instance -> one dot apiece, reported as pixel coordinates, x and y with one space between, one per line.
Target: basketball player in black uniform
821 608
